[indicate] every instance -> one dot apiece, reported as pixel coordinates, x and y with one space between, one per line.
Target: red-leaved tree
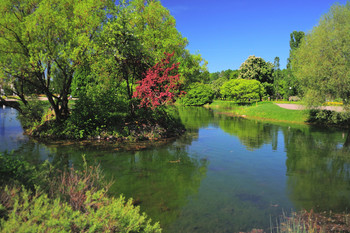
160 85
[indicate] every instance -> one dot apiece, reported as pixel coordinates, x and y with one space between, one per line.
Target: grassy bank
261 110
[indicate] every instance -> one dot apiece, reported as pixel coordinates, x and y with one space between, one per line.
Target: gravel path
301 107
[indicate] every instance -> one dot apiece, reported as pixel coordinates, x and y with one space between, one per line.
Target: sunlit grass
262 110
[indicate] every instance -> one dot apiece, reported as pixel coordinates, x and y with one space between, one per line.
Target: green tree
198 95
292 86
216 86
322 61
193 68
155 29
276 77
296 37
258 69
242 90
46 40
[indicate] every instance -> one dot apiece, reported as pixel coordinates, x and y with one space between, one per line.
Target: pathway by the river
302 107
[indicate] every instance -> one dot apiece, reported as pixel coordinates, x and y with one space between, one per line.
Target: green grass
262 110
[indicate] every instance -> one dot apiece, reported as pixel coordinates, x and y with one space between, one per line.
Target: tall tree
322 61
292 86
256 68
296 37
43 40
156 30
276 76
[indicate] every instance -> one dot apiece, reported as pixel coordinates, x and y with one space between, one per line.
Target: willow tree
44 42
322 62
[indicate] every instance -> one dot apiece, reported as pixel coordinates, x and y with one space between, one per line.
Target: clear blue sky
226 32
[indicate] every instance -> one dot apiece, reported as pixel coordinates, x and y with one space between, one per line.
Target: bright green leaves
198 95
156 28
322 62
45 42
242 90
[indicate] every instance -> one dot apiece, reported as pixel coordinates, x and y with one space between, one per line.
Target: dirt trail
301 107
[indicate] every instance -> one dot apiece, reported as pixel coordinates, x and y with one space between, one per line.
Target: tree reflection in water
318 169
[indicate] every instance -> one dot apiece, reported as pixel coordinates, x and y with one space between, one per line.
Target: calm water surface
225 175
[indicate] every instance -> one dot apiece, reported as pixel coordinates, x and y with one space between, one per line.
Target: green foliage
226 74
327 117
32 113
263 110
321 63
96 109
256 68
216 86
36 212
13 170
296 38
70 201
44 42
242 90
198 95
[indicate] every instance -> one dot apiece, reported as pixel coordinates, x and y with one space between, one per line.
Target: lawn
261 110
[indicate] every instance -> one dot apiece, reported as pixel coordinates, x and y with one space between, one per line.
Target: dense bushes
103 112
327 117
198 95
70 201
36 212
242 90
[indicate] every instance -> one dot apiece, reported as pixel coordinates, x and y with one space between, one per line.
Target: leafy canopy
198 95
322 62
256 68
43 42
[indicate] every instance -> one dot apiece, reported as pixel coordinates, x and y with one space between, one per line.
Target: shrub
327 117
71 201
198 95
35 212
95 110
242 90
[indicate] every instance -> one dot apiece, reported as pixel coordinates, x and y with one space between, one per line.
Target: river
224 175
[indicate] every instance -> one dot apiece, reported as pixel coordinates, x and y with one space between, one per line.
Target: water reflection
11 133
225 174
160 179
318 169
252 134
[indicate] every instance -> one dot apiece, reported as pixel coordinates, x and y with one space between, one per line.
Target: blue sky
226 32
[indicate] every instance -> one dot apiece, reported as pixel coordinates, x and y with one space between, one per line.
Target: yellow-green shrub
35 212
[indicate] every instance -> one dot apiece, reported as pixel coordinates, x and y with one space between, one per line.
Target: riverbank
267 111
332 116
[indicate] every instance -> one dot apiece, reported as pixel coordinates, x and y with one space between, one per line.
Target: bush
327 117
13 170
95 110
198 95
36 212
242 90
72 201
